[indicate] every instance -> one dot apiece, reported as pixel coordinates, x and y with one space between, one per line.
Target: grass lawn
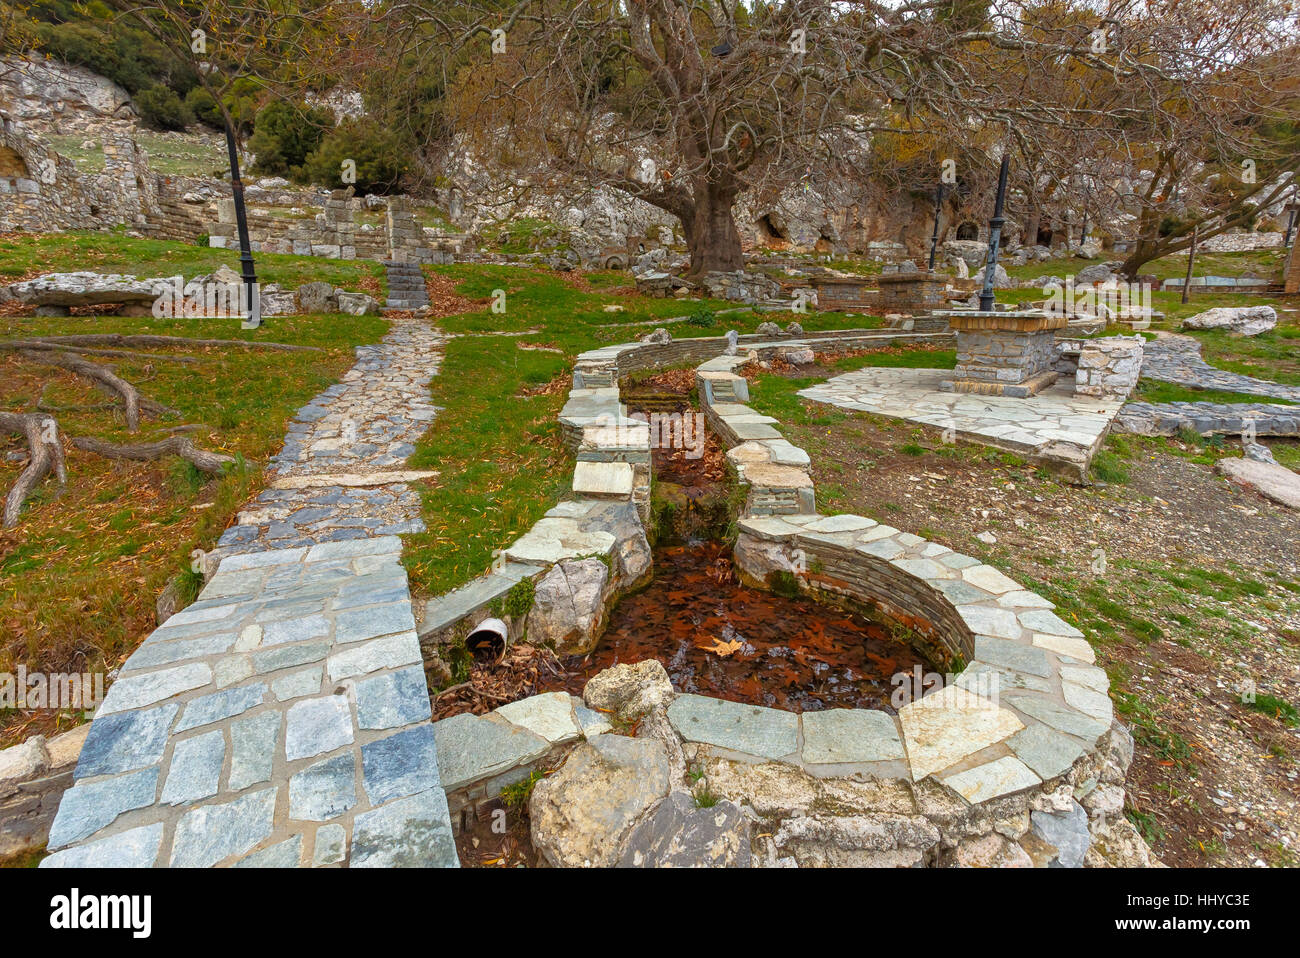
1266 264
80 572
24 255
169 155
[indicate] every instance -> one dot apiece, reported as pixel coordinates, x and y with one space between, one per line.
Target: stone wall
1109 367
1241 242
43 192
333 233
1291 278
912 292
33 777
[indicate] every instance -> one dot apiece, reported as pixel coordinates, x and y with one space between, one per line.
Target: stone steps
406 289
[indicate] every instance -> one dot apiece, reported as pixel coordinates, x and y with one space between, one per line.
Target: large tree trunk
1142 252
711 234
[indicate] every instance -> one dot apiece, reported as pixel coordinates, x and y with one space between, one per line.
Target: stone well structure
1004 353
912 292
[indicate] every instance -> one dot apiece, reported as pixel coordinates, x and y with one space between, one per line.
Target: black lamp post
241 221
934 237
1294 209
995 237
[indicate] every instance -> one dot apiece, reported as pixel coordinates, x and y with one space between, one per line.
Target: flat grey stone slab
195 770
1048 752
331 845
1013 655
210 833
135 848
286 854
147 688
324 790
1058 716
549 715
315 726
254 741
393 699
838 736
126 741
220 705
88 807
457 604
1002 776
472 748
752 729
401 764
411 832
603 479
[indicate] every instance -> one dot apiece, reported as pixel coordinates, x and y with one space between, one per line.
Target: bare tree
688 104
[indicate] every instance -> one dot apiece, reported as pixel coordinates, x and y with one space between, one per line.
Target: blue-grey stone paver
287 656
411 832
315 726
210 833
1010 654
297 684
324 790
331 845
297 629
146 688
253 743
353 626
126 741
220 705
195 770
1049 753
390 652
751 729
89 806
838 736
393 699
285 854
471 748
134 848
401 764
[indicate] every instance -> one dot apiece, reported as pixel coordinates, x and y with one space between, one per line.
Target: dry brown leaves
521 672
445 301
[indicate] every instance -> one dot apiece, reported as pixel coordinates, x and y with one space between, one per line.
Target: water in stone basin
720 638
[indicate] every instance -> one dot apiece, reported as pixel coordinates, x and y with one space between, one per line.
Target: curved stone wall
1027 714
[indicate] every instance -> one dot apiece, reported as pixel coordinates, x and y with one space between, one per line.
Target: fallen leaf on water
725 648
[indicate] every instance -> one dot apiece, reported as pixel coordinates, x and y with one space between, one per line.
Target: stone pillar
912 292
1004 354
1108 368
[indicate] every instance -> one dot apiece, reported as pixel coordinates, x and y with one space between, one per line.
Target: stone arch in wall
968 231
12 164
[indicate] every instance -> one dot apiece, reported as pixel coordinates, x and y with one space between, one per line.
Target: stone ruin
334 234
45 193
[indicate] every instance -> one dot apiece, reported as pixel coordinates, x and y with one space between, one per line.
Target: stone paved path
1177 359
337 476
1231 419
1057 425
283 718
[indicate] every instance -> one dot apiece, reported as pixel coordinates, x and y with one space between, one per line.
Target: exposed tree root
212 463
106 379
42 435
40 344
118 339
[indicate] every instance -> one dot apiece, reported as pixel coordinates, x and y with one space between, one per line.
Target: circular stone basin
719 638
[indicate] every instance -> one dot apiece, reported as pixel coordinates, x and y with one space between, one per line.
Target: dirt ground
1189 588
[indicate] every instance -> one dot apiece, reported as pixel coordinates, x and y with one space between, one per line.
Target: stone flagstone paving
283 719
1177 359
1056 425
337 476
